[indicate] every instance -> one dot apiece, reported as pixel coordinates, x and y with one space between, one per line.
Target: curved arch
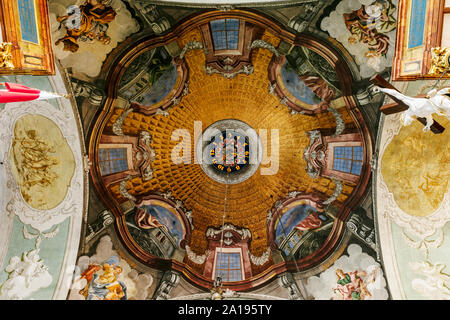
331 55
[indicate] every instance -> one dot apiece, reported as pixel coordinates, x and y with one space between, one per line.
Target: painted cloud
370 275
361 41
91 53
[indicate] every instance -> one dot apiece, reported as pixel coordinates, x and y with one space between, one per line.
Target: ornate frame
27 57
420 56
117 64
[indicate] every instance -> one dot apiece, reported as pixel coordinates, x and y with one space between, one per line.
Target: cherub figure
86 22
435 102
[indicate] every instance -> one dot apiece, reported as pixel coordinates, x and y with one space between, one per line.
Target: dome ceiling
296 100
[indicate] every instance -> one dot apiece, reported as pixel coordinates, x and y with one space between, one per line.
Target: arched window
225 34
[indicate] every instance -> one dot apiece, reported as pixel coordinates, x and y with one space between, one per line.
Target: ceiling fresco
202 150
248 95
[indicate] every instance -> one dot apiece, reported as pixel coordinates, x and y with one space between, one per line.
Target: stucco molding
42 220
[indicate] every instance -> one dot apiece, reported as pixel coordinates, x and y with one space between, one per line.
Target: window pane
347 153
358 153
235 275
218 25
219 38
357 166
348 159
225 34
232 40
232 24
228 265
112 160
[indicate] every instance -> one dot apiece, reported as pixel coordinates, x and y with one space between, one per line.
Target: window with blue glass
112 160
225 34
28 26
228 266
348 159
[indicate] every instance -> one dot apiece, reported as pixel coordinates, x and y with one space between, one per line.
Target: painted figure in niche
87 22
102 282
299 220
320 88
369 25
162 75
146 220
309 84
149 217
312 221
351 286
37 165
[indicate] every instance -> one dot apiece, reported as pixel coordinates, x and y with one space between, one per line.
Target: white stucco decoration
26 276
42 225
421 233
436 284
42 220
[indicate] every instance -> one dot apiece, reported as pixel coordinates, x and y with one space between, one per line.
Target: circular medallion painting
230 150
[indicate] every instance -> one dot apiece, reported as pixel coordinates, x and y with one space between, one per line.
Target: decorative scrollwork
123 189
198 259
117 126
191 45
246 69
336 192
340 124
264 45
259 261
310 156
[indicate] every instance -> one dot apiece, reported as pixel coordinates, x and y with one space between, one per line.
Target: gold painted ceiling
212 98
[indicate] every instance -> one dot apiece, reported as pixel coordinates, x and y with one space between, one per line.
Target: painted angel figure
86 22
103 283
350 285
435 102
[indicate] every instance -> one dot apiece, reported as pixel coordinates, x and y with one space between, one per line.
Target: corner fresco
366 28
356 276
105 275
309 78
413 201
42 205
87 30
150 78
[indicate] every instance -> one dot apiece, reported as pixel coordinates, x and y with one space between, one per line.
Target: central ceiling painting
230 138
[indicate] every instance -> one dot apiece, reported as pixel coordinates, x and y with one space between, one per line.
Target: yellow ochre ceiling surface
245 98
416 168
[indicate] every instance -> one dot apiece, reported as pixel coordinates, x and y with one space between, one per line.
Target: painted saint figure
369 25
351 285
102 282
86 22
146 220
312 221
